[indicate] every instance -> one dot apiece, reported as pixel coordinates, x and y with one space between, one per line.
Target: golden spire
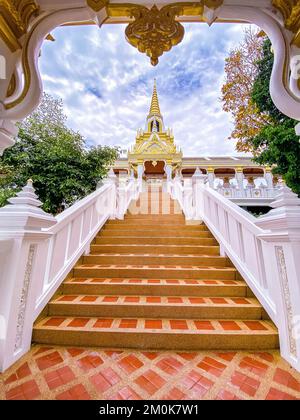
154 109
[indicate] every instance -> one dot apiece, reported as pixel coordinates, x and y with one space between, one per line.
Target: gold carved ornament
15 16
155 31
290 10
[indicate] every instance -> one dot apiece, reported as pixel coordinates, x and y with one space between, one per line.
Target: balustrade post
282 254
198 181
23 250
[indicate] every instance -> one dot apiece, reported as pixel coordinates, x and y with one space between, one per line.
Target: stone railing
264 250
37 251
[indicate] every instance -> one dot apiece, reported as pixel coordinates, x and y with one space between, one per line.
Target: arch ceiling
153 28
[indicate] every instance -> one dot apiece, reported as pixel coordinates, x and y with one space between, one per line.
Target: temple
155 156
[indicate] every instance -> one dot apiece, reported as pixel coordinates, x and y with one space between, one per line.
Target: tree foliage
241 71
277 141
56 158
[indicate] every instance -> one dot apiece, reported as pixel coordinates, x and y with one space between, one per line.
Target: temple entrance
154 170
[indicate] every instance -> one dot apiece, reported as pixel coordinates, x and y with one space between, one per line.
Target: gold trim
12 86
290 10
15 16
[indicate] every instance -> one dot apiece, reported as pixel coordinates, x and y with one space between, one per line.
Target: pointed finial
154 108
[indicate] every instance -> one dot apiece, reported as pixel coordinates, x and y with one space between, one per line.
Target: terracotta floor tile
77 392
151 355
78 322
225 395
212 366
27 391
22 372
197 383
105 379
75 351
204 325
132 299
187 356
254 366
49 360
128 323
126 393
219 301
59 377
255 325
285 378
241 301
103 323
268 357
89 299
170 365
54 322
153 299
228 356
178 325
174 300
275 394
153 324
89 362
130 363
229 325
150 382
245 383
67 298
174 394
196 300
110 299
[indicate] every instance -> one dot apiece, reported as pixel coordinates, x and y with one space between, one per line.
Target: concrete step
150 240
90 270
155 287
155 249
164 334
155 307
207 261
160 233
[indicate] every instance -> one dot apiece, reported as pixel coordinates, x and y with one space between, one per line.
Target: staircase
154 282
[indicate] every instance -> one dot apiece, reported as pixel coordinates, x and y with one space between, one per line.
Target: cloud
106 85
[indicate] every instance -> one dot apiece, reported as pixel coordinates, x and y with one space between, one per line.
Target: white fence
37 251
265 251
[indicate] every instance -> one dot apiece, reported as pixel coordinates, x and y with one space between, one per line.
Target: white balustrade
37 251
265 251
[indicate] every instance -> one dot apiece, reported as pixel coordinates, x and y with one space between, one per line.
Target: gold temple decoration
15 17
97 5
12 86
155 143
290 10
155 31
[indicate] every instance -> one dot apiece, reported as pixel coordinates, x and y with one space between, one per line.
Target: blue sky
106 85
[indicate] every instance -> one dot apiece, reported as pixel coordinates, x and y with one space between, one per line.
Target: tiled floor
78 373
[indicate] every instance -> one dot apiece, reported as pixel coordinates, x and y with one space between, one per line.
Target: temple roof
154 108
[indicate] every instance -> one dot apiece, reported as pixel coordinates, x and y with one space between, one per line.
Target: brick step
155 307
90 270
155 249
160 233
155 241
166 334
165 260
156 287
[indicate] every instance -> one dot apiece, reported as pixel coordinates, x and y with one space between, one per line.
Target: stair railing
37 251
265 251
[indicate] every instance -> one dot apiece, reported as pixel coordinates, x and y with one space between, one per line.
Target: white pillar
22 259
168 171
282 237
239 175
269 178
211 177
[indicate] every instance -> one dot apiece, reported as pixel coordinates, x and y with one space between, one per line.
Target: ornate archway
25 24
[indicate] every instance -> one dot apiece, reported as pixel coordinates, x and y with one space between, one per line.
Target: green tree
277 141
56 158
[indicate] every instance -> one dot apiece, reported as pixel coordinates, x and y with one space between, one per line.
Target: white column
22 259
168 171
211 177
282 251
269 178
239 175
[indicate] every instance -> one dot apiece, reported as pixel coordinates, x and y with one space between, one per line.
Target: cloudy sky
106 85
